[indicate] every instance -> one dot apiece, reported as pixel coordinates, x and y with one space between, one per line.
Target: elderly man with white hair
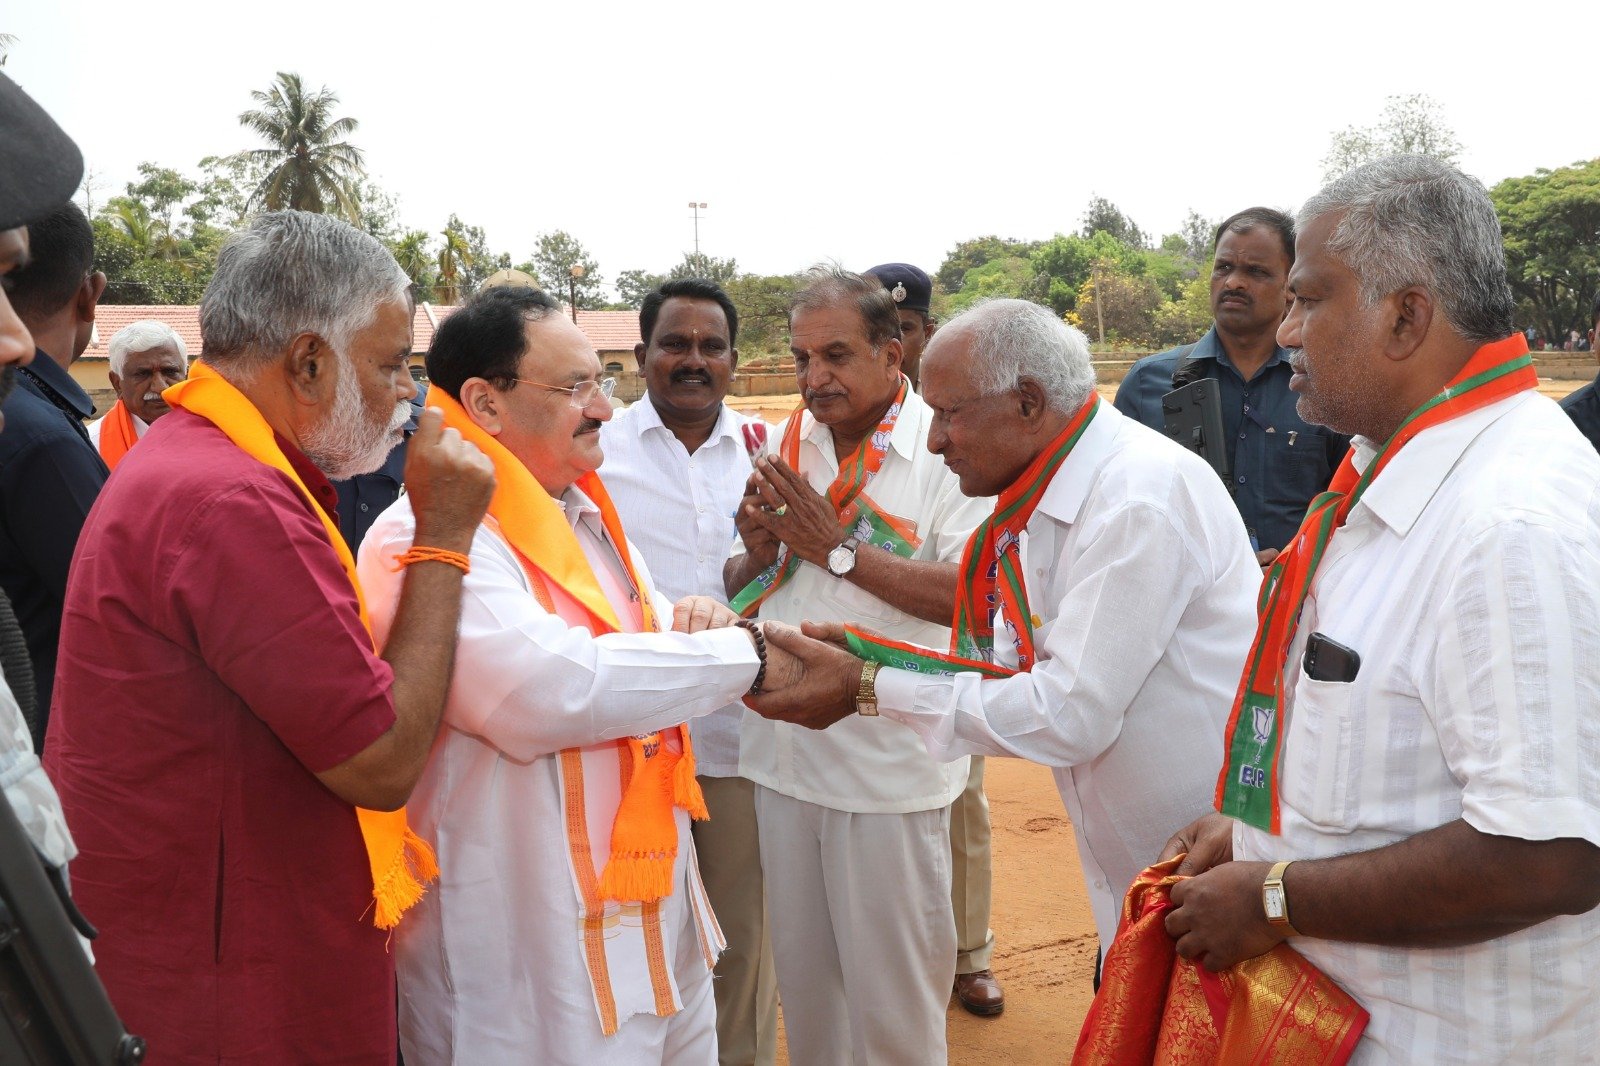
146 357
1103 610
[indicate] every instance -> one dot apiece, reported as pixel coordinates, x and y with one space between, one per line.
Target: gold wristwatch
1275 899
867 694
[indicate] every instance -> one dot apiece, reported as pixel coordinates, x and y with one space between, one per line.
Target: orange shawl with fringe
402 863
644 835
117 434
1156 1008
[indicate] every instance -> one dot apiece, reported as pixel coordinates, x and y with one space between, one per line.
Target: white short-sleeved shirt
1467 578
677 510
1144 587
867 765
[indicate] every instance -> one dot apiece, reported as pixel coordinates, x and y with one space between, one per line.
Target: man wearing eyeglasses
570 924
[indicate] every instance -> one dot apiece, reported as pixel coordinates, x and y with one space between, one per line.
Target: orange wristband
435 555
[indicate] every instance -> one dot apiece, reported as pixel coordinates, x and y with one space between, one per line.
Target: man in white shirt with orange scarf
854 824
569 924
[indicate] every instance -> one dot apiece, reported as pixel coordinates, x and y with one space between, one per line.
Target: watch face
1272 898
841 560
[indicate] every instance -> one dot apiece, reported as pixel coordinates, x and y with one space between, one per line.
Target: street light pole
697 209
573 275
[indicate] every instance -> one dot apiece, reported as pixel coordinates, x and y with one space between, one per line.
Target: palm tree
150 235
310 167
411 252
455 254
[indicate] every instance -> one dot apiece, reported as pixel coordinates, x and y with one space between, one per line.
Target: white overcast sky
862 132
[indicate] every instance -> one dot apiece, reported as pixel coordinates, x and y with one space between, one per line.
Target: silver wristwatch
842 559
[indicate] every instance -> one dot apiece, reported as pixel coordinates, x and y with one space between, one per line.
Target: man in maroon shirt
219 710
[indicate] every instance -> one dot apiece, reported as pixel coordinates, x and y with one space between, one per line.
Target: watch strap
1274 882
867 691
849 544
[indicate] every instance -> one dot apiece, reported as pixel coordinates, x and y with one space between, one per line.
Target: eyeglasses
582 394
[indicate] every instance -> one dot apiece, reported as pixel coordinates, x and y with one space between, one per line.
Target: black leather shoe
980 993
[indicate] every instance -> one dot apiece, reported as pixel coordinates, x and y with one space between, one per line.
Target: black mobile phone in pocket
1328 660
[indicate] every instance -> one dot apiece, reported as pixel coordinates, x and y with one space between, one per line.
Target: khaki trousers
730 865
971 873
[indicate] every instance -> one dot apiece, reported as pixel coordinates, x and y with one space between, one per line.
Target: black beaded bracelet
754 629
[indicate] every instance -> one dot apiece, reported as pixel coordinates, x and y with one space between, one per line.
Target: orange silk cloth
1154 1007
117 434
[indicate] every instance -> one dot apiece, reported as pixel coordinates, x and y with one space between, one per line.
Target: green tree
1551 223
1120 303
557 253
1103 216
150 236
634 285
411 251
709 267
1199 236
1185 319
1169 270
1413 124
380 215
480 260
223 191
134 277
455 256
1061 265
975 253
1012 276
309 166
162 190
763 305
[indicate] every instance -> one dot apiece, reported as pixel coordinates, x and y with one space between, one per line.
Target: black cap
909 286
40 167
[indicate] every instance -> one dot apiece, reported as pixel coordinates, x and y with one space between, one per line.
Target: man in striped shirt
1422 742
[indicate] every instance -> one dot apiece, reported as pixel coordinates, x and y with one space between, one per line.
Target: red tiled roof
608 331
109 319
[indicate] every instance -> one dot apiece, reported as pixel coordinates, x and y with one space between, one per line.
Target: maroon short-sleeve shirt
212 660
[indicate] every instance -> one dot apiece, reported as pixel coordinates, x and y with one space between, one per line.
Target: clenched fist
450 483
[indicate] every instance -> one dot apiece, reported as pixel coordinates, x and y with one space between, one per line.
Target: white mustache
151 397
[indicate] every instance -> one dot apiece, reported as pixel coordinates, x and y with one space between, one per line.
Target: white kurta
678 510
491 963
866 765
1144 586
1468 580
140 428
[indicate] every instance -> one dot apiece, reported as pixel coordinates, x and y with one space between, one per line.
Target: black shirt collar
54 377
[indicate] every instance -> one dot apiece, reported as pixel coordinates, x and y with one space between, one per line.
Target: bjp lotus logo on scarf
1262 724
